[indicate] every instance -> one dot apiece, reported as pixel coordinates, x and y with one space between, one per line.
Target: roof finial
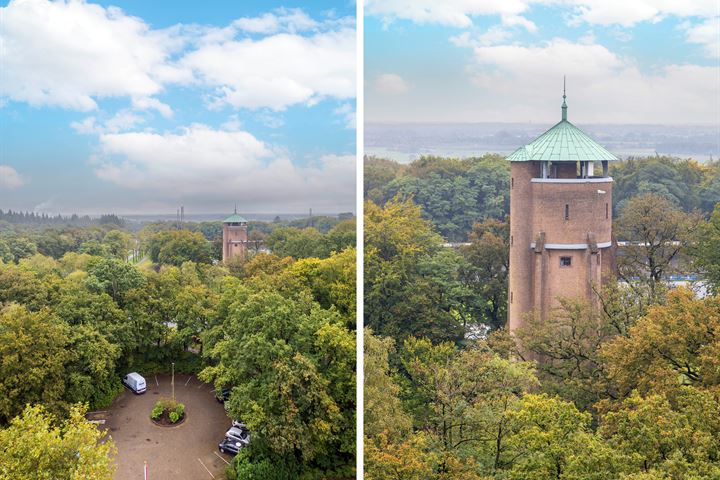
235 208
564 105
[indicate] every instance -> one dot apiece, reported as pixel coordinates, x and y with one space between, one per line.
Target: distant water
405 142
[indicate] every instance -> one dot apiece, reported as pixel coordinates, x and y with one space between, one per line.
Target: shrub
180 409
157 410
174 417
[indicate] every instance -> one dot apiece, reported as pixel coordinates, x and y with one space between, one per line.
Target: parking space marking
221 458
189 378
156 381
206 469
200 386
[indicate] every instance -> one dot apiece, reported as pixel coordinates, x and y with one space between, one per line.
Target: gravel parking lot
186 451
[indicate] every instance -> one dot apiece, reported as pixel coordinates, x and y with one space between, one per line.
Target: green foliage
174 416
33 447
687 184
707 251
284 350
659 234
114 277
179 409
485 272
311 243
453 193
244 467
157 410
175 247
412 284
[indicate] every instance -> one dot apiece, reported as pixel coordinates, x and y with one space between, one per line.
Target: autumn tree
657 235
675 344
39 445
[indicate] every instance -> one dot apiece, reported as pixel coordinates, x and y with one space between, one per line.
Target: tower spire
235 208
564 105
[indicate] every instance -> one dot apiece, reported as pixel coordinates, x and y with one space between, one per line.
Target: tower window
566 261
511 239
512 182
511 297
607 212
567 212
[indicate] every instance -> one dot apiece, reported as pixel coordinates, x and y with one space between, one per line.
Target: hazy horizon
406 141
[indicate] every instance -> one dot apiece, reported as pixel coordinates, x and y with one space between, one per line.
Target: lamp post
172 382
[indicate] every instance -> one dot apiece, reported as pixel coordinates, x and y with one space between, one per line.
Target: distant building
560 220
235 237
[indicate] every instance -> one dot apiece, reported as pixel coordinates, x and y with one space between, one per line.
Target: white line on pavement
221 458
158 383
206 469
187 381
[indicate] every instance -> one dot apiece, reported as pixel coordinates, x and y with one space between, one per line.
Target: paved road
187 451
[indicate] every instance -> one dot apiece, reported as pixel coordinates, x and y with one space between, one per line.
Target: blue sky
638 62
138 107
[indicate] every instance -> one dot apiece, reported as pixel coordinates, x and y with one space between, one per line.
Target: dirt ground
186 451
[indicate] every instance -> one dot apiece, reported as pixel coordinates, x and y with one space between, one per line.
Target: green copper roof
563 142
235 218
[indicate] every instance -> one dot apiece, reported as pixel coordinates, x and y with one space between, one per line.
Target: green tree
412 284
383 412
291 365
175 247
707 252
6 254
119 243
34 350
296 243
658 234
679 442
486 273
113 277
33 448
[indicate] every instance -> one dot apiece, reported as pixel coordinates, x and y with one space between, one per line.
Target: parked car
238 434
228 445
135 382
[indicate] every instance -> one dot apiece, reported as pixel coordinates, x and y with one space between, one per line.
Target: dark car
229 445
223 395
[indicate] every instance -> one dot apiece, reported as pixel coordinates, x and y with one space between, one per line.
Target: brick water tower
235 237
560 221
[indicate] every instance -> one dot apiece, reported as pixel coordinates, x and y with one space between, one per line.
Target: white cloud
517 20
281 20
452 13
390 83
121 121
211 165
148 103
459 13
279 70
628 13
69 53
347 112
706 34
10 178
602 86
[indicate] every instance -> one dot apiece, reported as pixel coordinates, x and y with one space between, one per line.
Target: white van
135 382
